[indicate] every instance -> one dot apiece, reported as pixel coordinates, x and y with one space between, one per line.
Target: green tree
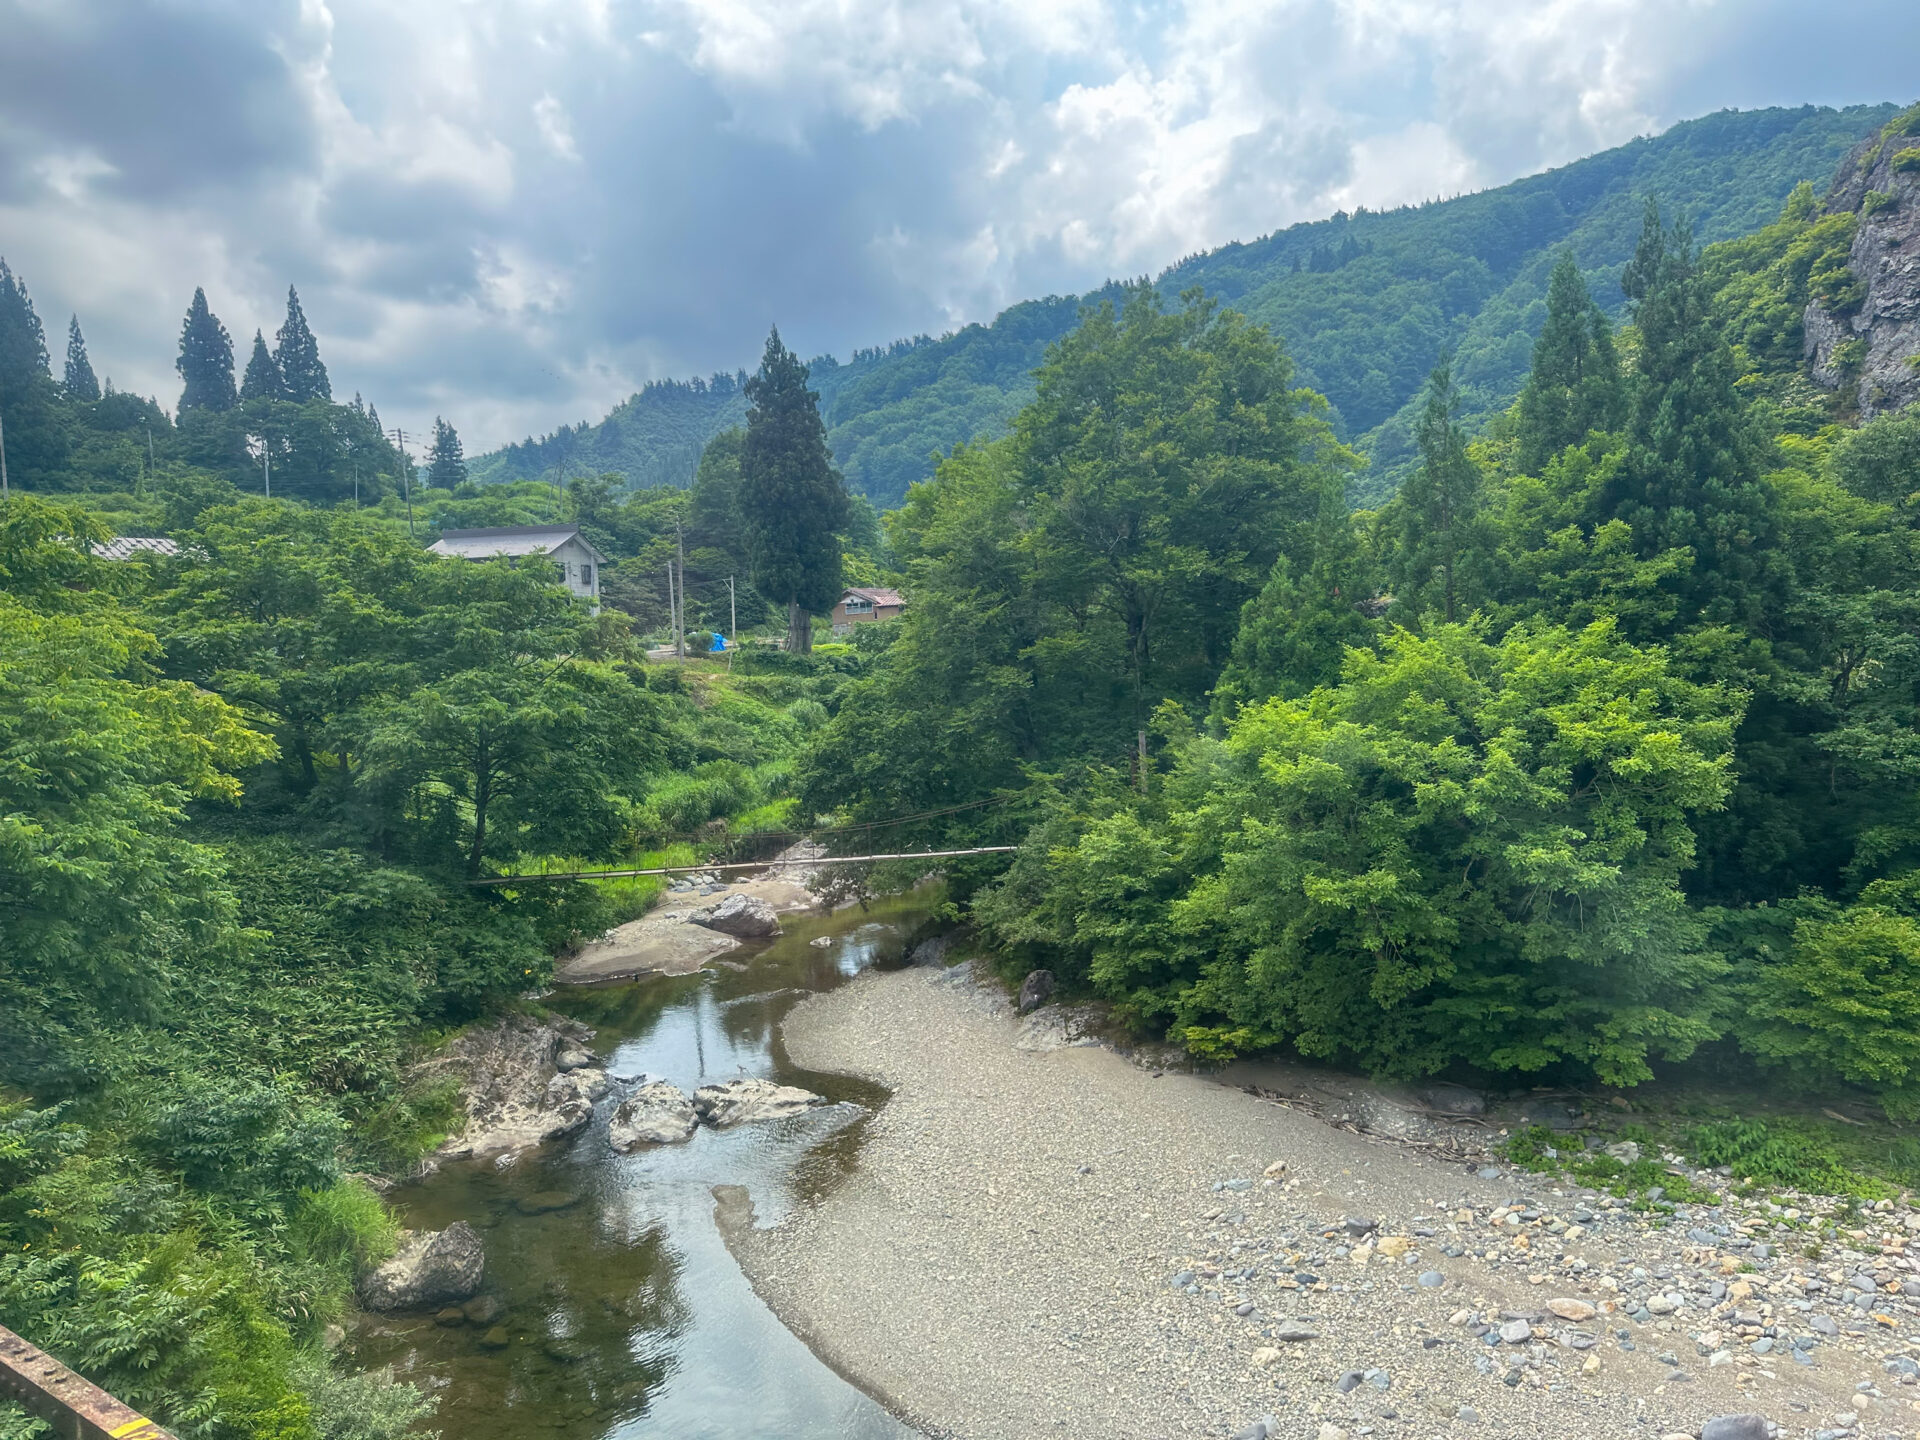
297 356
1688 479
262 380
1294 635
1573 388
792 503
206 360
1465 853
100 891
446 461
1440 555
1839 1004
36 433
80 384
1167 461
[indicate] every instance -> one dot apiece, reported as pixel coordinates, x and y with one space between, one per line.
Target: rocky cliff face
1872 353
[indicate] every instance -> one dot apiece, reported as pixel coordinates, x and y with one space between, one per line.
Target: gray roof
125 547
510 540
881 597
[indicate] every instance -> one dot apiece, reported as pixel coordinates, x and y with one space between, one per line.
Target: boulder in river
740 1102
1035 990
744 916
656 1114
431 1267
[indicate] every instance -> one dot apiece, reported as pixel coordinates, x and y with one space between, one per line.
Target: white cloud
512 213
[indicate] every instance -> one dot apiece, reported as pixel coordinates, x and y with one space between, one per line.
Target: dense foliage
1591 748
242 788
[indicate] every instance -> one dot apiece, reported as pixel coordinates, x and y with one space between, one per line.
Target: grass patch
1536 1148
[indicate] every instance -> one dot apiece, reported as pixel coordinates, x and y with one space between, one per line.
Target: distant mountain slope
1365 303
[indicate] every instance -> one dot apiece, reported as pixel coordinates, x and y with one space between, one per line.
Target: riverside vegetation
1588 752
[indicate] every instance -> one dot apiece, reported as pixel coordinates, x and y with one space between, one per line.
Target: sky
514 212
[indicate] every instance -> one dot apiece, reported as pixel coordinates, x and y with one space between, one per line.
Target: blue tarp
719 644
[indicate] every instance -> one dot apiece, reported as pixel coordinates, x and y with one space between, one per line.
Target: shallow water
624 1314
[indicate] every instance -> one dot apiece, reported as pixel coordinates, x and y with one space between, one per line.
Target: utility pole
406 474
4 491
673 605
733 624
680 548
266 460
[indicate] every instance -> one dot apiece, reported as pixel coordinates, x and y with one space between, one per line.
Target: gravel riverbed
1047 1239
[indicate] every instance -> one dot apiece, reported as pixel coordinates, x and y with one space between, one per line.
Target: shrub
1907 160
1878 200
1839 1005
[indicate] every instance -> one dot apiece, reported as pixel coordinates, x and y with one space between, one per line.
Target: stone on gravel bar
743 916
1567 1308
1265 1428
1736 1427
1035 990
739 1102
1350 1381
1330 1431
1294 1330
1358 1225
1432 1279
656 1114
1516 1332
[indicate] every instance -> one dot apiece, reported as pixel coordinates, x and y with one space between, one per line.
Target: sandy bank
1002 1263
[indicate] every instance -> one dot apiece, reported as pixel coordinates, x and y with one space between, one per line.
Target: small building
126 547
859 605
579 563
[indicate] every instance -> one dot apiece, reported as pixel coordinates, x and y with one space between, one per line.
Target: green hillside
1364 302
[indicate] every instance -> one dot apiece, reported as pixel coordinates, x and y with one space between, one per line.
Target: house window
859 607
586 575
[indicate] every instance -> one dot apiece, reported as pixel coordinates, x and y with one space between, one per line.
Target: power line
748 865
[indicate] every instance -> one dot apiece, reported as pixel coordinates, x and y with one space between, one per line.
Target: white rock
656 1114
740 1102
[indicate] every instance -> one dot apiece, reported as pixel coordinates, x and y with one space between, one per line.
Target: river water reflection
622 1313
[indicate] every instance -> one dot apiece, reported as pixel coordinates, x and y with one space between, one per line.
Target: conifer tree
80 382
262 380
297 354
1439 561
1689 479
1574 388
206 360
36 431
23 343
446 462
793 504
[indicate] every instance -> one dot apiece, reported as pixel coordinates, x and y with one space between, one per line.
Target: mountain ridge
1364 301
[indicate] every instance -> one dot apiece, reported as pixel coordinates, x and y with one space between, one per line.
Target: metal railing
75 1407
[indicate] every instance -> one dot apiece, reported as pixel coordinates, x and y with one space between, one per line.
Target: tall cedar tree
206 360
80 382
793 505
297 354
262 380
1438 562
1574 388
1690 477
446 461
36 431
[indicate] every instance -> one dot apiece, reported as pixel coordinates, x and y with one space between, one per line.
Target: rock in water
1035 990
739 1102
540 1202
1736 1427
431 1267
656 1114
744 916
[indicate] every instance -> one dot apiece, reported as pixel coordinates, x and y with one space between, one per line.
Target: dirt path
1050 1242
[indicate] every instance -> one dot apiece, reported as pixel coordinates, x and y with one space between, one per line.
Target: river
623 1314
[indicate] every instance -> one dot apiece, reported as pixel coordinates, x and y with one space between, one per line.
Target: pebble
1431 1279
1516 1332
1736 1427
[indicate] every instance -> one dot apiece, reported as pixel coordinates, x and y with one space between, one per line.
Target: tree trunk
482 796
799 630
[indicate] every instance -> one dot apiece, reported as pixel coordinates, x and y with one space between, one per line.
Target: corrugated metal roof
877 596
510 541
125 547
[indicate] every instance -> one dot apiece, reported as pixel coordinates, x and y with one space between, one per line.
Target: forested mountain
1365 304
